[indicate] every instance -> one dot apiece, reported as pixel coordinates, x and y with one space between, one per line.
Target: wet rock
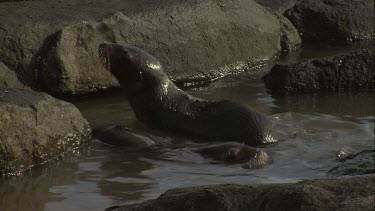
35 128
323 194
251 157
352 71
55 51
9 78
277 5
357 164
68 64
328 20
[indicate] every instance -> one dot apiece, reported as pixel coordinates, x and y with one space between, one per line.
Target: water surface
315 129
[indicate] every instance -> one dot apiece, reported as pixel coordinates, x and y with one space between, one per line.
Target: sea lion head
134 68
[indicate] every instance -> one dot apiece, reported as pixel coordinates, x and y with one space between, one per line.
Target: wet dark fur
159 103
236 153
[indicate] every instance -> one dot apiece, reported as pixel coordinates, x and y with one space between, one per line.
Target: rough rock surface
327 20
35 128
323 194
279 6
357 164
354 70
8 78
55 51
290 39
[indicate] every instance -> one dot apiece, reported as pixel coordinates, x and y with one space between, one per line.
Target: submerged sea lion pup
159 103
250 157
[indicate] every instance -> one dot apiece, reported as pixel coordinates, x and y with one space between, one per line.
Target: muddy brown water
316 128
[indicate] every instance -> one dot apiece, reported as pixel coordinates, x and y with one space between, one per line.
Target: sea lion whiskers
104 57
154 66
164 88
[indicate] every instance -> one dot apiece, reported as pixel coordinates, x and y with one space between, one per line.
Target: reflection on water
346 105
314 129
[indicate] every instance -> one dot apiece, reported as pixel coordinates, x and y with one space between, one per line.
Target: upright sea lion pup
159 103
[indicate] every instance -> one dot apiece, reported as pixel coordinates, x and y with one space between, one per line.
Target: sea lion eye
125 53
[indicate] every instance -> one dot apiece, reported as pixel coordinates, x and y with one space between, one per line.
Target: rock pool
315 130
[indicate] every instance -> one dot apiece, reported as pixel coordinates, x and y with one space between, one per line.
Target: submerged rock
55 51
35 128
357 164
328 20
355 193
351 71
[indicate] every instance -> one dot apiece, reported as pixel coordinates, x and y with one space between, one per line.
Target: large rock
56 51
354 70
357 164
290 39
35 128
9 78
326 194
327 20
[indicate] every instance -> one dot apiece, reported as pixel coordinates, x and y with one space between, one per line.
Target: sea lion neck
164 99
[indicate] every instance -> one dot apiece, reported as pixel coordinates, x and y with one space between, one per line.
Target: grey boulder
8 78
36 128
338 20
351 71
56 51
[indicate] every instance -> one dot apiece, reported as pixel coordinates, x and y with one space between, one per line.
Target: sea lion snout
115 54
123 62
134 68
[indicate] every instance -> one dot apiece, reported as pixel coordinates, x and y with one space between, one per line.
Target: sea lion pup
120 136
251 157
159 103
